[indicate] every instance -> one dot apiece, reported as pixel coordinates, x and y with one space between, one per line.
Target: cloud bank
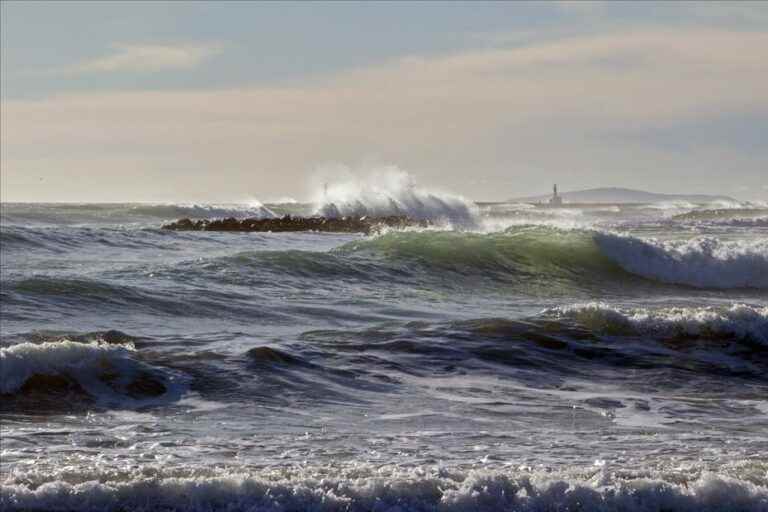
520 117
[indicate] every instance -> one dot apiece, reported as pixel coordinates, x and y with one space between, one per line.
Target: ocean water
508 358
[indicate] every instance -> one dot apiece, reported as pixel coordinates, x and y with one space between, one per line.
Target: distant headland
620 195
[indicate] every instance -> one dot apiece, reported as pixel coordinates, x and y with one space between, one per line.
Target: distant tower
555 200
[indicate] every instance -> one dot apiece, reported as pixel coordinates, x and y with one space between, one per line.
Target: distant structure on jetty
555 200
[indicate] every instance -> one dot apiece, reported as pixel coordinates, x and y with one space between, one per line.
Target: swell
579 257
60 239
25 299
674 347
533 261
680 349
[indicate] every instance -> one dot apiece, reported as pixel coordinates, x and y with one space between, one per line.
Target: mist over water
507 357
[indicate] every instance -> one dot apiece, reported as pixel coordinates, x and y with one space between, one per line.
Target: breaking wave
365 488
701 262
393 192
739 321
580 255
111 375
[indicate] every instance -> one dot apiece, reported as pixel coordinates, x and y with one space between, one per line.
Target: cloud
150 57
525 114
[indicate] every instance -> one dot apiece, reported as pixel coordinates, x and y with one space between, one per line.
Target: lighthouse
555 200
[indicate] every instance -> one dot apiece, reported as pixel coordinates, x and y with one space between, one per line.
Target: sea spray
391 191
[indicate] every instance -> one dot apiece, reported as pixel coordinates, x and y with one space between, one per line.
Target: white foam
701 262
671 205
283 200
101 370
737 321
739 222
382 489
390 191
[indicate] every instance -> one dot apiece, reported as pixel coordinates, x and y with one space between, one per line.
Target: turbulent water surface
508 358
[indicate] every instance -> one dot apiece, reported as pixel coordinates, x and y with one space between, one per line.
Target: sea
508 357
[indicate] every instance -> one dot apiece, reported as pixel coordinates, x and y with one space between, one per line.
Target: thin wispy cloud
128 57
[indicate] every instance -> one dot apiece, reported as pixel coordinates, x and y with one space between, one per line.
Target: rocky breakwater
290 223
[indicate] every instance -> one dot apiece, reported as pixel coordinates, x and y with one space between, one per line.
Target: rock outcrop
289 223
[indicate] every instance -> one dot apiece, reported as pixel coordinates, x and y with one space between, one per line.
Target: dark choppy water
517 359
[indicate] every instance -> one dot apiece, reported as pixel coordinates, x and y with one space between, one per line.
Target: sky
235 101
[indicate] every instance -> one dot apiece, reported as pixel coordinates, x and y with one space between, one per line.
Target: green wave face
585 259
540 259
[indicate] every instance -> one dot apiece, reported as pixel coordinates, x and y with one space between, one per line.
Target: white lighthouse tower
555 200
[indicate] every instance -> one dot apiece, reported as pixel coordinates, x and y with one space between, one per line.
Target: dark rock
292 224
269 355
144 386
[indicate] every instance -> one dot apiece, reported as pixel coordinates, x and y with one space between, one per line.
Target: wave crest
701 262
110 374
738 321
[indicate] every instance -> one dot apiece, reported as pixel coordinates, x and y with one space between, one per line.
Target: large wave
701 262
581 256
366 487
393 192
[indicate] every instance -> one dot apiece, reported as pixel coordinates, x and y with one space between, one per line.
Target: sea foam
421 489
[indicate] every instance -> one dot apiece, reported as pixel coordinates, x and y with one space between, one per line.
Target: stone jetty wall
290 223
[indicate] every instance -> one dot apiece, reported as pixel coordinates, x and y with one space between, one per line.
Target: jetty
289 223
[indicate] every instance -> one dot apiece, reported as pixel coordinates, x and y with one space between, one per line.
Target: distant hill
623 195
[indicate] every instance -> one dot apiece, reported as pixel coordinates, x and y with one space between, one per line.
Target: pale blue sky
80 85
